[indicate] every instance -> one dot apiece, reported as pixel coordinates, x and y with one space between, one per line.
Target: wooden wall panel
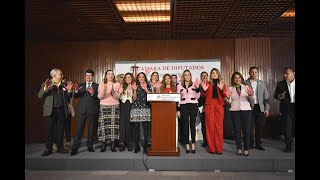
75 57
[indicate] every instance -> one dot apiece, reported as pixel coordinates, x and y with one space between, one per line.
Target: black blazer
88 104
284 103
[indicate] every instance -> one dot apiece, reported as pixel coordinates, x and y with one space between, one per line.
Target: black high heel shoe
187 149
113 148
130 147
121 147
103 147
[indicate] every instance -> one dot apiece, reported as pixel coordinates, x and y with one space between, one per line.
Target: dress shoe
288 148
103 147
62 151
239 152
204 145
90 149
73 152
121 147
212 152
46 152
136 149
68 144
130 147
219 153
54 147
113 148
193 151
187 151
260 148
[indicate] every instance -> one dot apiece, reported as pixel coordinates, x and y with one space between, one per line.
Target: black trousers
203 127
188 112
289 119
136 131
55 128
257 122
80 129
67 128
125 125
241 121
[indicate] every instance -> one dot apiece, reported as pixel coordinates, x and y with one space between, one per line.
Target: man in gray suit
55 109
260 107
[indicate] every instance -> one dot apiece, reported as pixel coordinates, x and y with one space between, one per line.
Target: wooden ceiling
80 20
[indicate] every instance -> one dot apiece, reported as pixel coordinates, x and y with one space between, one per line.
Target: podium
163 119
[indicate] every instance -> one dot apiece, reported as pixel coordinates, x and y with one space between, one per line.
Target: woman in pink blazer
238 96
188 108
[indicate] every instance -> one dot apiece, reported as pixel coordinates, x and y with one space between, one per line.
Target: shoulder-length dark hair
125 84
163 84
145 78
232 78
182 77
105 80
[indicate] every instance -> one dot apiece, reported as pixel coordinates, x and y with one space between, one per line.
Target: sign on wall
196 66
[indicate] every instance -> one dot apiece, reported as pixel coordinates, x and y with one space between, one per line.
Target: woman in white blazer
240 111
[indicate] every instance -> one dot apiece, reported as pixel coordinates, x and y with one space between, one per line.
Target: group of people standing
114 110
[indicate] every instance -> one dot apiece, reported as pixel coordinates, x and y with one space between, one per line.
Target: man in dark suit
201 103
88 108
260 107
55 109
285 92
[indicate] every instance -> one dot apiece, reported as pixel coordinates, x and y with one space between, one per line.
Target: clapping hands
69 85
249 90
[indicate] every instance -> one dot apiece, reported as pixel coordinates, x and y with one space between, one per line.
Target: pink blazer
188 96
239 103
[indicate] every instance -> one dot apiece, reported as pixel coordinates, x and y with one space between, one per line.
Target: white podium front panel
171 97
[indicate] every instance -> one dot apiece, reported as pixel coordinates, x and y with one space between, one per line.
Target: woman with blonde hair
188 108
214 92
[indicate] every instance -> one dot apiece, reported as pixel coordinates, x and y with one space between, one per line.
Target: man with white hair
55 108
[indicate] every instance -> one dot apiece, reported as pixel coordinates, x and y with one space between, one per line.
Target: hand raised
69 85
220 85
144 86
204 85
48 84
158 84
197 83
227 93
134 86
77 87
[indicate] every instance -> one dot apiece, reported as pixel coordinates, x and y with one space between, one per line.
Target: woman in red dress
214 92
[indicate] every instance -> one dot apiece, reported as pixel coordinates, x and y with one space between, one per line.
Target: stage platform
270 160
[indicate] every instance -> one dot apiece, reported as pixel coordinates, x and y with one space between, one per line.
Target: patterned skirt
140 114
108 125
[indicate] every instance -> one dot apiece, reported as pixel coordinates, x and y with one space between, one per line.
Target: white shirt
292 90
126 95
254 85
87 84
